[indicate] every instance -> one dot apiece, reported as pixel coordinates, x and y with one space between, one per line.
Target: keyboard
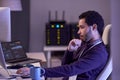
24 61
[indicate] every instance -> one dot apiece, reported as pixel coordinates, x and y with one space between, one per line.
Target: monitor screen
13 50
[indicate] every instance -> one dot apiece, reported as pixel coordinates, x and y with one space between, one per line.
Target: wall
39 15
20 24
115 40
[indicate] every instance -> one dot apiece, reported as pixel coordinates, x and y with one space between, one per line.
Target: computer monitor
5 24
5 31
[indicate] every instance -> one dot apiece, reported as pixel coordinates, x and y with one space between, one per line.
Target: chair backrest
108 68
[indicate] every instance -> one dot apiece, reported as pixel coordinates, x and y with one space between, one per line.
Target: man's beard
88 36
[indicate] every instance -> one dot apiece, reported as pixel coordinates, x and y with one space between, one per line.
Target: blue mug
36 73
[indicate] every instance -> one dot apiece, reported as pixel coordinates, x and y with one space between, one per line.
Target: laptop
2 60
15 54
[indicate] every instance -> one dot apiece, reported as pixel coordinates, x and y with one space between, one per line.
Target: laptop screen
13 50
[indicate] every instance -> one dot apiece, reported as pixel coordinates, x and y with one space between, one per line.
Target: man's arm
91 61
67 58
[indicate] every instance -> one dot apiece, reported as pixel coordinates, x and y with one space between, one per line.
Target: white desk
5 74
49 50
37 55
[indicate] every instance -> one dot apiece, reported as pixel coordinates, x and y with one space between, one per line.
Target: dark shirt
86 65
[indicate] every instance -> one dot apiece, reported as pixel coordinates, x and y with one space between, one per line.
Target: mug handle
42 71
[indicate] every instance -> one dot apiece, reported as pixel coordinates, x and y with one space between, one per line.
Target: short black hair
93 17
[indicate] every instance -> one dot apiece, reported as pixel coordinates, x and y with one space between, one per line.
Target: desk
5 74
37 55
49 50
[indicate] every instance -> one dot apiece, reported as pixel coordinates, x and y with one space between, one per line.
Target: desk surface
37 55
55 48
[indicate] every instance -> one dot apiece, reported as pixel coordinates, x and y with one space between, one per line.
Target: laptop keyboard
25 61
29 61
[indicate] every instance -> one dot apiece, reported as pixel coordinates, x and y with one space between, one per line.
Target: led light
58 42
57 26
62 26
52 26
58 37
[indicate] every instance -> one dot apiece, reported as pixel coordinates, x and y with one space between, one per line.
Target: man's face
84 31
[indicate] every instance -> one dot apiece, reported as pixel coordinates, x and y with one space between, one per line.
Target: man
84 57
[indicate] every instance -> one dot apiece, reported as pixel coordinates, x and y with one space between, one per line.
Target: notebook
15 54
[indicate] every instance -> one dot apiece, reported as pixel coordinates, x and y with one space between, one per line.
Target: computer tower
57 33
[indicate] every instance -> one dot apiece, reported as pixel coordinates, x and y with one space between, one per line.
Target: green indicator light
52 26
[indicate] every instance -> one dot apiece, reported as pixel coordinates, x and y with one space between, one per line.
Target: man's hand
74 44
23 71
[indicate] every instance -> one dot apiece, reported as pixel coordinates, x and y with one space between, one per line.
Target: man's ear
94 26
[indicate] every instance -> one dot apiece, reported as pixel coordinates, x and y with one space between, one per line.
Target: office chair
106 72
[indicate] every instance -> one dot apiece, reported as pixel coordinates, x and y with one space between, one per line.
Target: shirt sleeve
67 58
